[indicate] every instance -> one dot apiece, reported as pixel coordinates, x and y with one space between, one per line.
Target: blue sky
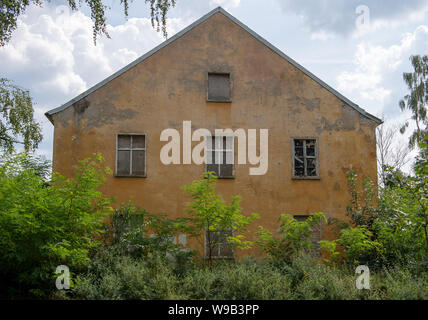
52 53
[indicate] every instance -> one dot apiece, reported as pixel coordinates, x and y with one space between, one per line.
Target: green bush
236 281
122 277
44 225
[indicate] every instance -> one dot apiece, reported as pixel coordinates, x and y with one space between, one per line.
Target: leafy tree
209 212
10 10
17 124
26 161
43 226
417 100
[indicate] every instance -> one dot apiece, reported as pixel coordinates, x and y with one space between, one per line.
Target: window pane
124 141
299 169
138 163
138 141
310 148
214 168
123 162
219 87
226 171
311 169
226 250
229 157
298 148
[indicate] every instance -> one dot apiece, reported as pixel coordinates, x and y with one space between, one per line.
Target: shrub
295 236
119 277
236 281
46 225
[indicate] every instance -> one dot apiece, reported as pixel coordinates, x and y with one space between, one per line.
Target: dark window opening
219 87
305 159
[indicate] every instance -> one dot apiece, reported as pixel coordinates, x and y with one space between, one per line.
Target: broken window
315 236
305 158
218 87
131 155
220 247
220 156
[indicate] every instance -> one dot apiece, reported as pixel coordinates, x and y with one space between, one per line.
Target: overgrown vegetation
46 224
130 253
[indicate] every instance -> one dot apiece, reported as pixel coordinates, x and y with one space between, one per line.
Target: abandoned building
217 73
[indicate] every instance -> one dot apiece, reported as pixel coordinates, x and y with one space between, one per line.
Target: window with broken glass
131 155
216 242
305 158
220 156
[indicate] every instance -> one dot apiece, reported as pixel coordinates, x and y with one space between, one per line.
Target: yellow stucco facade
169 86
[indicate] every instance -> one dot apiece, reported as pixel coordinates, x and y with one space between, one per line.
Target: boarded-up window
305 158
220 156
219 87
315 237
220 247
131 155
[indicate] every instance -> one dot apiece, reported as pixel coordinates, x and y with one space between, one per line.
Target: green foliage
44 226
17 124
10 10
294 236
417 100
236 281
359 248
208 211
329 248
120 277
362 209
112 276
138 233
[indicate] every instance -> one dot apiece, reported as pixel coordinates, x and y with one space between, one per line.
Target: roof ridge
49 113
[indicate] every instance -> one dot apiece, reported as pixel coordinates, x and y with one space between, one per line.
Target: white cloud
53 55
376 66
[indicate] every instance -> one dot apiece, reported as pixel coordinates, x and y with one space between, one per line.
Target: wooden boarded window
131 155
316 234
305 158
220 156
220 248
219 87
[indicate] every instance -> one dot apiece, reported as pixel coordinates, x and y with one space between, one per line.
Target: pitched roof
190 27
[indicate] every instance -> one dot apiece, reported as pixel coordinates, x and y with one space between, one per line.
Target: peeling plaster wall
267 93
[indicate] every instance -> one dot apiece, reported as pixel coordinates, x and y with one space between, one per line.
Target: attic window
219 87
305 159
131 155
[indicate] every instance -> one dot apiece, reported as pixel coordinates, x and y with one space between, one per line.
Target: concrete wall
268 93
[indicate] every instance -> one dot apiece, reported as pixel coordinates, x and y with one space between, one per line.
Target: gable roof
49 114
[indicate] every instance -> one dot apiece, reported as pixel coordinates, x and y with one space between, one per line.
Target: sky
361 48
